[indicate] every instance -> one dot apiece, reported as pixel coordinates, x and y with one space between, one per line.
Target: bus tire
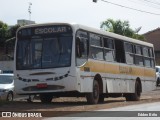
46 98
157 82
9 96
93 97
101 98
135 96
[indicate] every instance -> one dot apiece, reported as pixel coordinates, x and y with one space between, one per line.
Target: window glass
129 53
109 55
96 53
108 43
157 69
109 49
147 62
82 34
38 50
129 58
56 52
95 40
138 50
5 79
44 52
152 63
96 50
145 52
82 47
151 52
129 47
148 57
139 60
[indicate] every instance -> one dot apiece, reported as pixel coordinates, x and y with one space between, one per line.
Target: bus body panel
57 80
118 78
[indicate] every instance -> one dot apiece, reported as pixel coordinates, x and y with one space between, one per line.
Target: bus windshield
44 52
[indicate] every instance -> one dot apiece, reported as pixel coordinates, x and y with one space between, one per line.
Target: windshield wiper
26 52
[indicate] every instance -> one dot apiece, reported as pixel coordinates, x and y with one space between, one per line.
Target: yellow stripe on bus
100 67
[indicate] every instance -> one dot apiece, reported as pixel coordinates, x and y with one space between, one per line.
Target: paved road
138 112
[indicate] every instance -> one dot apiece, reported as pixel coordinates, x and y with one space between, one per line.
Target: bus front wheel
10 96
93 97
46 98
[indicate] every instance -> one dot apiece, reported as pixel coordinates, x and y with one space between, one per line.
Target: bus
73 60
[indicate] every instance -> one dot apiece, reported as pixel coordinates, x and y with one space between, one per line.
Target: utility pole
29 10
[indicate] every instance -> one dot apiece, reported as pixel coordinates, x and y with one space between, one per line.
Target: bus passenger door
120 57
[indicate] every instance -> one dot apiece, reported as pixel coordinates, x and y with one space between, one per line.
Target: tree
3 32
6 32
13 30
122 28
7 38
10 41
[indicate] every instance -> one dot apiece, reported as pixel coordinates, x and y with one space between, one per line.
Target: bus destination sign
49 30
45 30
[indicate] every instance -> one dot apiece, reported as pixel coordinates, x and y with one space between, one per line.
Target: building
25 22
154 38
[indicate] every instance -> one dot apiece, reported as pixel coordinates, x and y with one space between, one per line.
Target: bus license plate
42 85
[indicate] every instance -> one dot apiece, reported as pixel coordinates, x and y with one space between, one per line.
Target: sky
84 12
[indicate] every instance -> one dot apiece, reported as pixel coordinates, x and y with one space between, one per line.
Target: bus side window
147 62
148 57
138 55
96 48
109 52
129 51
81 47
152 57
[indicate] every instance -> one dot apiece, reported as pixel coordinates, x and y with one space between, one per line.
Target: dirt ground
62 105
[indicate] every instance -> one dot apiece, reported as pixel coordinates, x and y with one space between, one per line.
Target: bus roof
113 35
94 30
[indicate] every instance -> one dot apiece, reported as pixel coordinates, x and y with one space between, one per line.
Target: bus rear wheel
46 98
93 97
135 96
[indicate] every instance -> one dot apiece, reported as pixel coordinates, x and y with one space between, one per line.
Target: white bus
66 60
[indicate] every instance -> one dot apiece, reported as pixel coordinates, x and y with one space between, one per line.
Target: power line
129 7
145 4
156 3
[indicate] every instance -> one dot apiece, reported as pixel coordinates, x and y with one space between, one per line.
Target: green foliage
3 32
7 33
13 30
139 37
121 28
